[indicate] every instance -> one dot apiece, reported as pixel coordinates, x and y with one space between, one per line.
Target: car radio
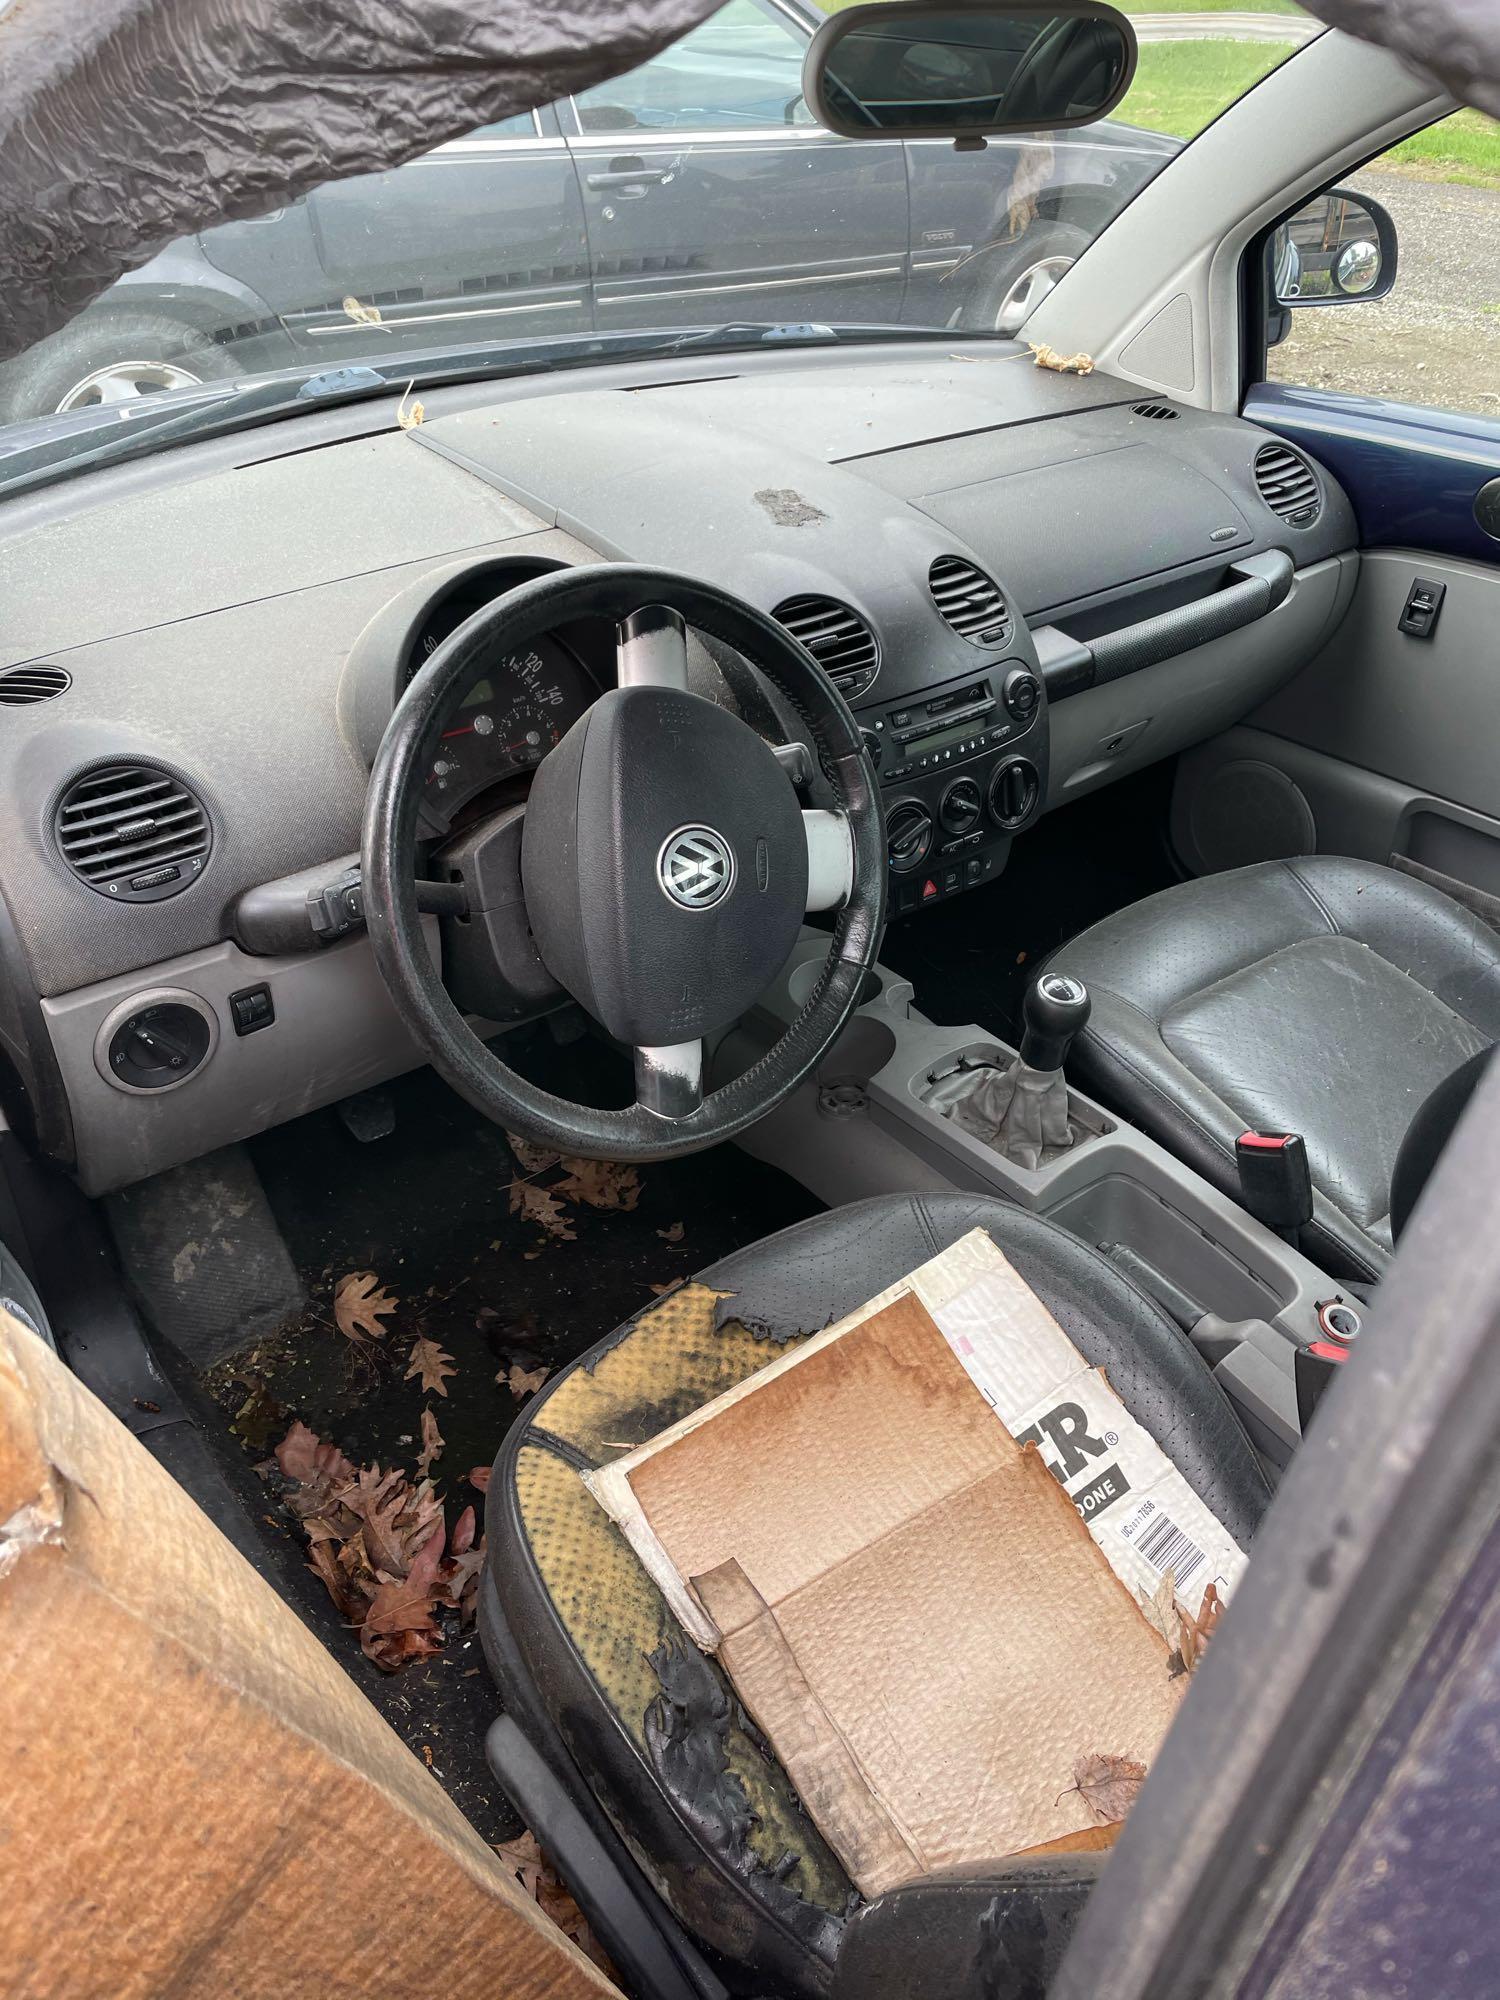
962 768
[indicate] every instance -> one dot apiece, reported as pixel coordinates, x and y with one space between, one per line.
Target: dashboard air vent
968 601
132 832
19 685
1288 484
838 639
1159 413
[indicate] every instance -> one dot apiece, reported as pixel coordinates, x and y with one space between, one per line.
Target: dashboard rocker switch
251 1008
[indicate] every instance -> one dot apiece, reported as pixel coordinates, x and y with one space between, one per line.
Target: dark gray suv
605 212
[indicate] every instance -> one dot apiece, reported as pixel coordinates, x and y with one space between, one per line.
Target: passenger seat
1322 995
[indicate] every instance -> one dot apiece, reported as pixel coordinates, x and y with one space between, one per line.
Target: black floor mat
428 1211
973 958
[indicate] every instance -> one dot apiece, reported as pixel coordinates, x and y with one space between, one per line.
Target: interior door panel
1389 739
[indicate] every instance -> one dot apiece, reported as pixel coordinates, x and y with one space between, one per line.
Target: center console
873 1121
963 769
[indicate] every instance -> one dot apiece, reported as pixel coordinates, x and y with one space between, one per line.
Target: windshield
694 193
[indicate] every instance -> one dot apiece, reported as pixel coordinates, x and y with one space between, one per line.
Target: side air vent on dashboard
1159 413
838 639
132 832
1288 484
968 601
20 685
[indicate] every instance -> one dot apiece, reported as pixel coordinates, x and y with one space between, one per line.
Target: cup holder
806 977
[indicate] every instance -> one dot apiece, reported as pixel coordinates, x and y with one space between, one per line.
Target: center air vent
132 832
968 601
838 639
1159 413
1288 484
19 685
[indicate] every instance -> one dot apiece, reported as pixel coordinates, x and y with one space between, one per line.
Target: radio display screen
943 739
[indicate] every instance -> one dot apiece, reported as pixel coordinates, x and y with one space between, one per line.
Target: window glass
522 126
742 69
1436 338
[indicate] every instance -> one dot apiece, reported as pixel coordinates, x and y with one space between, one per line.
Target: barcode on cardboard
1166 1547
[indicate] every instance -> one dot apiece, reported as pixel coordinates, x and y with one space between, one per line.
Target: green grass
1464 148
1180 87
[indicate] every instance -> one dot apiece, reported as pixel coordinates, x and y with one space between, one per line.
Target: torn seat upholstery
638 1723
1323 996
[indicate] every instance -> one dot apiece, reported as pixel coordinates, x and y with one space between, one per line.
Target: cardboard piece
932 1616
194 1798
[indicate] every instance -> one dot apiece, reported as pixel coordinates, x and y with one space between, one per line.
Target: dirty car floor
428 1209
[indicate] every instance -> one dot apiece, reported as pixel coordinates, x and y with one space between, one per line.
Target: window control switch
1424 601
251 1008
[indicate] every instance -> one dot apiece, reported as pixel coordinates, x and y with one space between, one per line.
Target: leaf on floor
666 1290
531 1868
432 1445
521 1381
529 1158
673 1233
434 1366
534 1204
1108 1785
479 1478
600 1184
377 1540
360 1302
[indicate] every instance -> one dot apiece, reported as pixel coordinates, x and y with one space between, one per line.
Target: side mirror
901 70
1335 251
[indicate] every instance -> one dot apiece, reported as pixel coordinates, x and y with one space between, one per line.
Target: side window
521 126
741 70
1434 337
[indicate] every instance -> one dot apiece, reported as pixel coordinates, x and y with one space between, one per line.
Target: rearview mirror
905 71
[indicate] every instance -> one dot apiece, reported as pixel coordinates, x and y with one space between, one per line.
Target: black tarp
126 123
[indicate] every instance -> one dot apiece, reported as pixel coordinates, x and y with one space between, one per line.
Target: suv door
710 194
482 238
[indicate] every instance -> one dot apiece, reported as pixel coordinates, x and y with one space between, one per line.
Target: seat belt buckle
1275 1180
1316 1366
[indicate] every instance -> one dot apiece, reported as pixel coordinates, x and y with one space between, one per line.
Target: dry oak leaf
673 1233
432 1444
529 1158
525 1860
434 1366
1108 1785
534 1204
360 1302
600 1184
399 1626
523 1381
479 1477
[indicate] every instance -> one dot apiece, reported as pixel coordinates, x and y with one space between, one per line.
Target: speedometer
508 721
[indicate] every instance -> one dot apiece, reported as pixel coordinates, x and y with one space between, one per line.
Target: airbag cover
664 864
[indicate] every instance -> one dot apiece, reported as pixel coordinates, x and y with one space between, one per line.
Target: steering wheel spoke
669 1081
830 859
651 649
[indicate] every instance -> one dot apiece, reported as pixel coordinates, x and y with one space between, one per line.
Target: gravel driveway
1436 339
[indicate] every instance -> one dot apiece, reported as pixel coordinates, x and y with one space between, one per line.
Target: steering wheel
665 864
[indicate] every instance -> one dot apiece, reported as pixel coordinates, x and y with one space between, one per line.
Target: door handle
629 174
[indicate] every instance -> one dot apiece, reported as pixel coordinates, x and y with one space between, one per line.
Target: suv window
741 70
1436 338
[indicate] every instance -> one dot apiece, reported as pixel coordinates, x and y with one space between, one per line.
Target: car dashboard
1025 584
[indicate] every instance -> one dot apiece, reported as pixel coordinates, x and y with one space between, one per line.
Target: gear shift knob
1055 1009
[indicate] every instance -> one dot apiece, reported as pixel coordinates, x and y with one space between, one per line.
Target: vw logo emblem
695 867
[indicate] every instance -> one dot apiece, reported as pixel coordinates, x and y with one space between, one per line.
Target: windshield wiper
39 454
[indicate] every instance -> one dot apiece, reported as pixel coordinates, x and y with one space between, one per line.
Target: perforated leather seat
1323 996
597 1671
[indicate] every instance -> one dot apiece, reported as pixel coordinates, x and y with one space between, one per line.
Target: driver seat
644 1733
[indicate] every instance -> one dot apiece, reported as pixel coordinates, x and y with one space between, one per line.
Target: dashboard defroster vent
968 601
20 685
838 639
1159 413
1288 484
132 832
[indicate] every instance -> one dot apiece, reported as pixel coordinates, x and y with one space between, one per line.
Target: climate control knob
1015 791
908 833
1021 694
963 802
